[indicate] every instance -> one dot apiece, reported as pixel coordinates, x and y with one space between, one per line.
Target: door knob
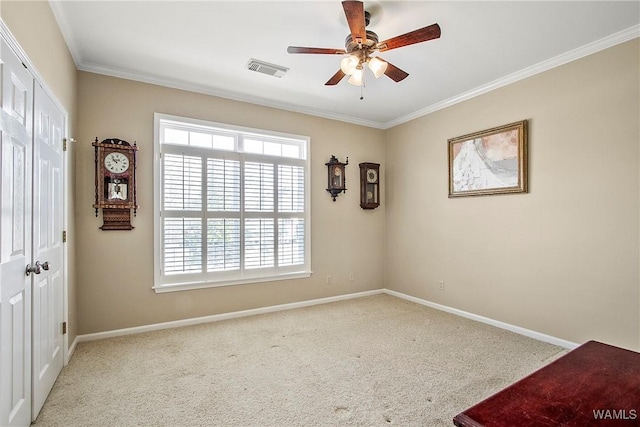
35 269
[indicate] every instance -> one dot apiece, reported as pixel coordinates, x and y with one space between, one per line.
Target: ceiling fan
361 44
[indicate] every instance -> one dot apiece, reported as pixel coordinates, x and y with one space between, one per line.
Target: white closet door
15 240
47 353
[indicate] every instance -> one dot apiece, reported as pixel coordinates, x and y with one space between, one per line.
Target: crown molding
581 52
572 55
65 29
234 96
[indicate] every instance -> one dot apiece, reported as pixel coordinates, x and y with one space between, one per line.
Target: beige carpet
374 361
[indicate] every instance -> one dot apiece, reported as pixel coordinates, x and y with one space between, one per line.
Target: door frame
8 37
66 180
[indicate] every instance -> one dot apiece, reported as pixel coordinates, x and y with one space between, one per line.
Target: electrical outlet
441 285
329 280
351 276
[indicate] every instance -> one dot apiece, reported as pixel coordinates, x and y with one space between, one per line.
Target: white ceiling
205 46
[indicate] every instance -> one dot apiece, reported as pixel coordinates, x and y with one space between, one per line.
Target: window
232 205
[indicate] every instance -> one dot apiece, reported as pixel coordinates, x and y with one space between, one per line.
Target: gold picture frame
492 161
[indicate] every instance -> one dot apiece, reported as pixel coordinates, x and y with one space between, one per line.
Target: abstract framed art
492 161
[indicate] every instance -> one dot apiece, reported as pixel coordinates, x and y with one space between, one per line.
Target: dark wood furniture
594 385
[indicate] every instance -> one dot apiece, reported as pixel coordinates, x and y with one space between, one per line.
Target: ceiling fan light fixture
349 64
361 43
356 77
377 66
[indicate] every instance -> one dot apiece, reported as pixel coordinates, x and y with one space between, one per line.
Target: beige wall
562 259
34 27
115 268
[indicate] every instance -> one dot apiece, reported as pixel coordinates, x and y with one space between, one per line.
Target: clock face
116 162
372 175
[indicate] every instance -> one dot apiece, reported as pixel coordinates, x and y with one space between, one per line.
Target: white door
15 240
48 131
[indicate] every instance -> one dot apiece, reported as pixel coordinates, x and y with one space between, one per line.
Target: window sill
199 285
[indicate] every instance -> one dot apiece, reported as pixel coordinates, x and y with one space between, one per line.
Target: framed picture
492 161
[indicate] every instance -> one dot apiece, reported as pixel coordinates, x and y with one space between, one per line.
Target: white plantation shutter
233 205
291 231
223 244
223 233
182 182
290 188
291 241
223 185
182 192
258 187
259 242
183 247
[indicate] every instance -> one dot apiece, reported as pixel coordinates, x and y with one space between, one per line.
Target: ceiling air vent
266 68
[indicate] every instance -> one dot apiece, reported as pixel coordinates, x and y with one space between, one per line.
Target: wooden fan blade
335 79
393 72
316 50
417 36
354 11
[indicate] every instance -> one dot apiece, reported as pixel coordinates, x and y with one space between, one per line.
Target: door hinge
64 237
64 328
64 143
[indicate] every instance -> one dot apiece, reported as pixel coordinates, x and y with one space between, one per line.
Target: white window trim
268 275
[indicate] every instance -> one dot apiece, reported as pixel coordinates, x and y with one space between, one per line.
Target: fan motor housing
350 45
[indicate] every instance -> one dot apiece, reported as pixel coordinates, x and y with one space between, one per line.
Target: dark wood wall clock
115 186
337 182
369 185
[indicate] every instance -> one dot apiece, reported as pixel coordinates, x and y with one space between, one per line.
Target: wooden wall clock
337 182
115 186
369 185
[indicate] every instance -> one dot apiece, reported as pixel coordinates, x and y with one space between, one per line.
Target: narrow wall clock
115 186
336 176
369 185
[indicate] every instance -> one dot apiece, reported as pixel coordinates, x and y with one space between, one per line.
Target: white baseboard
509 327
223 316
71 350
282 307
